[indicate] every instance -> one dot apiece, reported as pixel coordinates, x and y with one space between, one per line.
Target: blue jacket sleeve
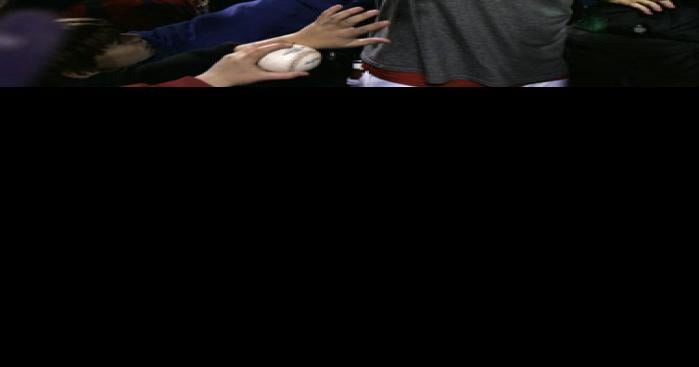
241 23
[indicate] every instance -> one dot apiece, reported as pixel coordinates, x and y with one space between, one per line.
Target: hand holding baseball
240 68
297 58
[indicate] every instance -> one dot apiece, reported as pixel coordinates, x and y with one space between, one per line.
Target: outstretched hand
337 28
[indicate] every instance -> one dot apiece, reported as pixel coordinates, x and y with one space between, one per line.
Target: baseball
296 58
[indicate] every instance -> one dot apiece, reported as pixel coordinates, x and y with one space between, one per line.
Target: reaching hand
337 28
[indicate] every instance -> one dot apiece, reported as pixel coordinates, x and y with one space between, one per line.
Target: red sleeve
188 81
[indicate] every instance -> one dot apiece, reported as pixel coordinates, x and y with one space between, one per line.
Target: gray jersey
493 42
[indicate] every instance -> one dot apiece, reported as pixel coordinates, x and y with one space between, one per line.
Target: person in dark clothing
620 46
98 55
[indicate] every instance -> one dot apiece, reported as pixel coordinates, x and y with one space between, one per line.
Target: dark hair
86 38
55 5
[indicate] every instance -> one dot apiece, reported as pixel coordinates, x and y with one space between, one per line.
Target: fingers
328 13
642 8
373 27
368 41
650 6
345 14
356 19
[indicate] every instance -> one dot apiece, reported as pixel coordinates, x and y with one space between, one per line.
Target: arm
185 64
235 69
188 81
335 28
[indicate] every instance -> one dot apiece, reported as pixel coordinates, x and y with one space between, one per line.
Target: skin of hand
240 68
646 6
334 28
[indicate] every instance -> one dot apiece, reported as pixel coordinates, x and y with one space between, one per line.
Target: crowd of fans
470 43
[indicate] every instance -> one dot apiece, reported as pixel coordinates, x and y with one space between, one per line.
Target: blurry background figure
127 15
28 40
618 46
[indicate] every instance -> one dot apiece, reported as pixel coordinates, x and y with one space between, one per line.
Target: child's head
94 45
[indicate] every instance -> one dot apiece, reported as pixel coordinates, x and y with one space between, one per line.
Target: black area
619 61
614 45
216 5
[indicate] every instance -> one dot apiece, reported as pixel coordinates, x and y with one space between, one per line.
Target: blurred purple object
28 40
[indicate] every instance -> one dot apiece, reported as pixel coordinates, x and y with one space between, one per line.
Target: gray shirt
492 42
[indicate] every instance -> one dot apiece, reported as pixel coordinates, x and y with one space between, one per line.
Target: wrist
299 38
212 80
293 38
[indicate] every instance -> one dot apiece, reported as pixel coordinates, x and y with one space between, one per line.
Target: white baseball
296 58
